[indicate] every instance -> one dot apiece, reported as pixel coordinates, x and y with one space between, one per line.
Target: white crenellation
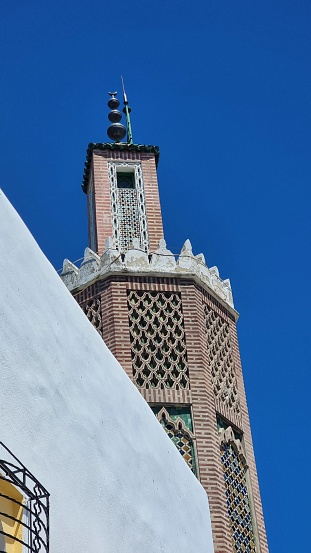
70 274
89 265
162 259
110 258
186 258
136 260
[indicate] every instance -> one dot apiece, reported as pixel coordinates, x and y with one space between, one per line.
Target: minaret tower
171 323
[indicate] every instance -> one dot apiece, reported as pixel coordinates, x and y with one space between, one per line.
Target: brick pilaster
200 397
204 416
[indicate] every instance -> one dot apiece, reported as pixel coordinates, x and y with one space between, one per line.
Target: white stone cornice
136 261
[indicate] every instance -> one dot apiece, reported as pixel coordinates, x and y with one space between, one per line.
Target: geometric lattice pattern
128 217
92 309
221 360
237 500
180 435
128 209
158 347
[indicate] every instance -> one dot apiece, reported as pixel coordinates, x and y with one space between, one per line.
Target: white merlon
200 257
135 260
162 259
110 257
70 274
186 258
136 257
90 265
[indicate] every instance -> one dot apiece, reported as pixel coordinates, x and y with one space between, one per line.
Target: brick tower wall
200 396
178 344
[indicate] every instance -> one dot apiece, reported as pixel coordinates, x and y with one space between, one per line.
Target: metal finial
116 131
127 111
113 102
124 93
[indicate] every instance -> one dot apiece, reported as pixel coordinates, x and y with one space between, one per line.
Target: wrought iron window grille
35 504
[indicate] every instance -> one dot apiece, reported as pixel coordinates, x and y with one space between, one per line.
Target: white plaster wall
72 416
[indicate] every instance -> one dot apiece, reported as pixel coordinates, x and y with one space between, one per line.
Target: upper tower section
120 180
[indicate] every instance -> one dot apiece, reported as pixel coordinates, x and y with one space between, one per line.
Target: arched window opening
177 426
237 494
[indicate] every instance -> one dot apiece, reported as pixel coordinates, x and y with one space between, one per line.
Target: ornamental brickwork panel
128 218
234 470
92 310
158 347
224 380
128 209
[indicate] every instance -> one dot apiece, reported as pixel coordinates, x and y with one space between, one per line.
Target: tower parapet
161 262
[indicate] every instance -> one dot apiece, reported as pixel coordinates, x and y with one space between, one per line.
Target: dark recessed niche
125 180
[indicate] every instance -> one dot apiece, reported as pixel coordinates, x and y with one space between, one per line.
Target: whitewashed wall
72 416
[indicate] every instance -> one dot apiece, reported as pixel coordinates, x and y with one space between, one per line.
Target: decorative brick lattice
92 309
237 498
158 347
128 209
221 360
128 218
180 435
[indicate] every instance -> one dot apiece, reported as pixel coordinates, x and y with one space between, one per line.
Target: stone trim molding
227 436
161 263
178 423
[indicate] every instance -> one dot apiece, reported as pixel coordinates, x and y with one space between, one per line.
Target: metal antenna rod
127 111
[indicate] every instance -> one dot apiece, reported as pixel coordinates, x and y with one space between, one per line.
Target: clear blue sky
224 89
